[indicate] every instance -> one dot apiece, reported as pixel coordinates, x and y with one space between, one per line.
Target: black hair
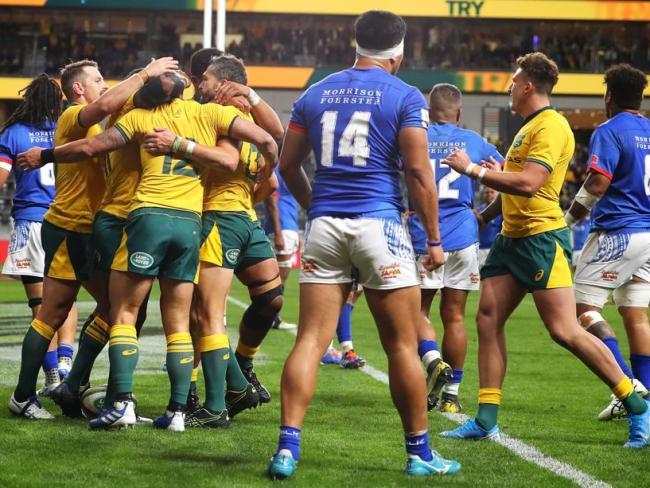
379 29
626 84
228 67
200 60
42 102
153 94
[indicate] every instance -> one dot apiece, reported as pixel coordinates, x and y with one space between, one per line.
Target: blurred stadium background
287 45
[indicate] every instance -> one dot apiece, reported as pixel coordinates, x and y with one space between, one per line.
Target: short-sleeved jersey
287 208
458 226
166 181
488 233
579 234
233 192
620 150
79 186
546 139
122 171
34 189
352 119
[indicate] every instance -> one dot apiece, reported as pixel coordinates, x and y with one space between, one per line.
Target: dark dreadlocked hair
42 102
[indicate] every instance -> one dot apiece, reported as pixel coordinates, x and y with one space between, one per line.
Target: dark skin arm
489 213
295 150
596 184
271 204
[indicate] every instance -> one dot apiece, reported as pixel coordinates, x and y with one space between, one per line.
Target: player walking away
162 234
281 225
488 231
67 224
33 123
616 256
532 253
459 232
358 121
347 358
579 233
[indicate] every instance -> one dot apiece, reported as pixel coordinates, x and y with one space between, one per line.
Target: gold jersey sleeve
233 192
545 139
122 171
79 186
167 181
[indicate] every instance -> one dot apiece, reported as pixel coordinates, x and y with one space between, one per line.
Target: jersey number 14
353 142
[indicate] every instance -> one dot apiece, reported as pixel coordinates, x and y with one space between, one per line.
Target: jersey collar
535 114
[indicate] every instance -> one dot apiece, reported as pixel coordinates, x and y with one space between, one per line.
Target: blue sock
426 346
419 445
65 351
457 377
344 328
290 439
612 345
641 368
50 361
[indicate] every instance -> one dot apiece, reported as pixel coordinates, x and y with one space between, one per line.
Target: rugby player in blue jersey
33 124
616 256
459 232
358 121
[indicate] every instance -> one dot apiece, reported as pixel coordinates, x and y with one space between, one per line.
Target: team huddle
165 189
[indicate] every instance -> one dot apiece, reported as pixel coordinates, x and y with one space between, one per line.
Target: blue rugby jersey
287 208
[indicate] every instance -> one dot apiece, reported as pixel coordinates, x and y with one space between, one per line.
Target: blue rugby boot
472 430
282 465
416 466
639 429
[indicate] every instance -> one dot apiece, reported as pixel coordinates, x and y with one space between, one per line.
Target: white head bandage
390 53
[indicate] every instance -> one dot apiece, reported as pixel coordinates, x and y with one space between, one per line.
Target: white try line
519 448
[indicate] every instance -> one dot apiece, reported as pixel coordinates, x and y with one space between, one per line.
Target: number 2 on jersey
444 184
353 142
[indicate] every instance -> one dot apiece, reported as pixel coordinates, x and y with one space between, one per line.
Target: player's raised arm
71 152
243 130
112 99
420 180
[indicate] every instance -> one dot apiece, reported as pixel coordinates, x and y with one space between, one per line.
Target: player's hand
458 160
241 103
228 90
161 65
30 159
278 240
492 164
479 218
435 258
159 142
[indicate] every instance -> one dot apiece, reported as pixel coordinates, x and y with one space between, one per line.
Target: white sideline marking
519 448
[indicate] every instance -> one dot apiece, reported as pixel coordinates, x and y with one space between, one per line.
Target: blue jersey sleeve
298 121
7 149
490 150
604 152
414 111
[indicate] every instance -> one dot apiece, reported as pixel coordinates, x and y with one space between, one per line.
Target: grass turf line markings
516 446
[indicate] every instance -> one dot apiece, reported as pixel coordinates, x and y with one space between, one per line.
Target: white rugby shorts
378 250
460 271
291 243
26 256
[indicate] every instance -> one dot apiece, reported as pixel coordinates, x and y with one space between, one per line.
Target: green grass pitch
352 434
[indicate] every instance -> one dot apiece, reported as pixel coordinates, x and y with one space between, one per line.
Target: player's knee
267 297
452 317
593 322
562 337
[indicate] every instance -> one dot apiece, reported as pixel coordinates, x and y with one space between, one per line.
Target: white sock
346 345
451 388
430 357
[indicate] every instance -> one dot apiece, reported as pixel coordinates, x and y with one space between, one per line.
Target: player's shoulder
624 120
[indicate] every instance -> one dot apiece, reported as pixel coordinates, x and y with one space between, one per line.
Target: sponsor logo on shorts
609 276
129 352
474 278
539 275
611 248
23 263
232 255
390 271
141 260
308 266
186 360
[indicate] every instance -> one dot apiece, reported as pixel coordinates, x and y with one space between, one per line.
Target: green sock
215 353
123 353
487 415
92 340
180 358
634 404
235 379
35 344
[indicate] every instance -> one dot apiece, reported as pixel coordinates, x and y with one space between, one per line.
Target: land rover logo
232 255
141 260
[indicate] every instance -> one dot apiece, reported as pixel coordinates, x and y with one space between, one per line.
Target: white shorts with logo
608 262
291 243
379 250
26 256
460 271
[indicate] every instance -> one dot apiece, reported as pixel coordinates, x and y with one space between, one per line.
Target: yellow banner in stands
498 9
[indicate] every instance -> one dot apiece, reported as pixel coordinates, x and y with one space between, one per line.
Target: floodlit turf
352 436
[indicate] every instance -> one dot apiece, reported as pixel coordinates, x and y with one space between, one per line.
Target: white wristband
190 148
253 97
470 169
481 174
